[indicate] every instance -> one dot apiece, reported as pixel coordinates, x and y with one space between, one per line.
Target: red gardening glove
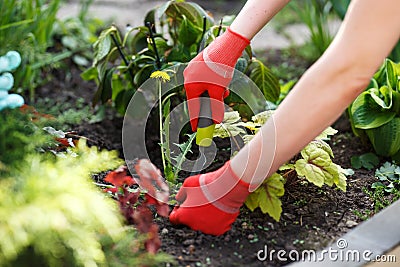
212 71
211 201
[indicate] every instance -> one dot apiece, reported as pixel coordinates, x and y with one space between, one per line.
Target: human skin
367 35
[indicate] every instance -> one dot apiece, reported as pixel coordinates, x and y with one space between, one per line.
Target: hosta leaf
383 96
392 73
367 114
266 81
386 138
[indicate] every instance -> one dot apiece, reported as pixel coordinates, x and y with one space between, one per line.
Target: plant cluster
375 113
173 34
385 191
135 203
314 163
52 214
33 29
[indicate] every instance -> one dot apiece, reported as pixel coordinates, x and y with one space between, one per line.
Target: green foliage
27 26
389 176
174 33
19 137
315 14
267 196
314 163
340 7
127 252
367 161
32 27
51 213
375 113
386 190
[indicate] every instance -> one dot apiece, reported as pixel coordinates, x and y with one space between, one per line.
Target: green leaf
103 45
325 135
90 74
161 44
267 197
252 201
192 11
388 172
188 33
313 173
185 148
104 91
266 81
230 126
386 138
316 165
367 114
367 161
392 74
383 96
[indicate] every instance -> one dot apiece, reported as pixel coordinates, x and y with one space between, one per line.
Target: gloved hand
212 70
210 202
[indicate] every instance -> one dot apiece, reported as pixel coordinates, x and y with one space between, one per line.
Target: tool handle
205 125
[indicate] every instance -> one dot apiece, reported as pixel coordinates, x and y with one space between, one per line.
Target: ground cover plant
60 187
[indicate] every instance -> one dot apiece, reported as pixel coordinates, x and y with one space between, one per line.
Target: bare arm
370 30
255 14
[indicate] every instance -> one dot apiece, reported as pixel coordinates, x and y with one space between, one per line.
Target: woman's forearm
368 33
254 15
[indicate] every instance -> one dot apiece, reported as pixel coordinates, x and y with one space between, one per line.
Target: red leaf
163 210
150 179
153 243
119 177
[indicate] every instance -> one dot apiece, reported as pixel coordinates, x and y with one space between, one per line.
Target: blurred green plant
174 33
30 27
26 26
51 212
375 113
315 14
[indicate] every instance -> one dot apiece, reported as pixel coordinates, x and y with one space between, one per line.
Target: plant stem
161 124
118 45
158 61
200 45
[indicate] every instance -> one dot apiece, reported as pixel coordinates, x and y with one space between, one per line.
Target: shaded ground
312 217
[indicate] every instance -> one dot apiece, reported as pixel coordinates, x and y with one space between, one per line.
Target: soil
312 217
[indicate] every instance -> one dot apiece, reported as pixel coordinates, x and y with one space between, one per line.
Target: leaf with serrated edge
267 197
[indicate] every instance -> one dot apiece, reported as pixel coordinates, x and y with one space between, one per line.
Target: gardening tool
205 125
205 131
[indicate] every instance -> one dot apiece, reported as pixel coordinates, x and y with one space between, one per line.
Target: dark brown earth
312 217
